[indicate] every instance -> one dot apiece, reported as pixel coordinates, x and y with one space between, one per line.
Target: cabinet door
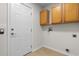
56 15
44 17
71 12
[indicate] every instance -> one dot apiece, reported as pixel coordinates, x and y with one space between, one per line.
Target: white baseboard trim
36 48
57 50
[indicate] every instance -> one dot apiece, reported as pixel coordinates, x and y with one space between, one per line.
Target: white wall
37 36
3 24
61 37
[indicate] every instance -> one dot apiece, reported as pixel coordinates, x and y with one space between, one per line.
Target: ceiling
44 4
47 4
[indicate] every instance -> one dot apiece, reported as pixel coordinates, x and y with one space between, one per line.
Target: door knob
12 33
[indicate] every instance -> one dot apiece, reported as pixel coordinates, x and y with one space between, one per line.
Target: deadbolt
12 29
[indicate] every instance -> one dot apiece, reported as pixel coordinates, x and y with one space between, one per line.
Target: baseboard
57 50
36 48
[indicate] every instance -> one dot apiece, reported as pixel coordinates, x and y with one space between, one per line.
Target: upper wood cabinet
56 15
44 17
71 12
63 13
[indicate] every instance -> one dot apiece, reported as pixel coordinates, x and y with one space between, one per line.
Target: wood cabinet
44 17
65 13
56 15
71 12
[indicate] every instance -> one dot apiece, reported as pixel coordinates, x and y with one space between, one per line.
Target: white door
19 30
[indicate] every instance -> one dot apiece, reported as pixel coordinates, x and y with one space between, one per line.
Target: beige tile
45 52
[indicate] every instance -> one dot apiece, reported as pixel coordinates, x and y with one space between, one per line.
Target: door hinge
30 13
31 46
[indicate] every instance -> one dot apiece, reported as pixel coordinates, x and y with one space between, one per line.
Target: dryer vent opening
67 50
